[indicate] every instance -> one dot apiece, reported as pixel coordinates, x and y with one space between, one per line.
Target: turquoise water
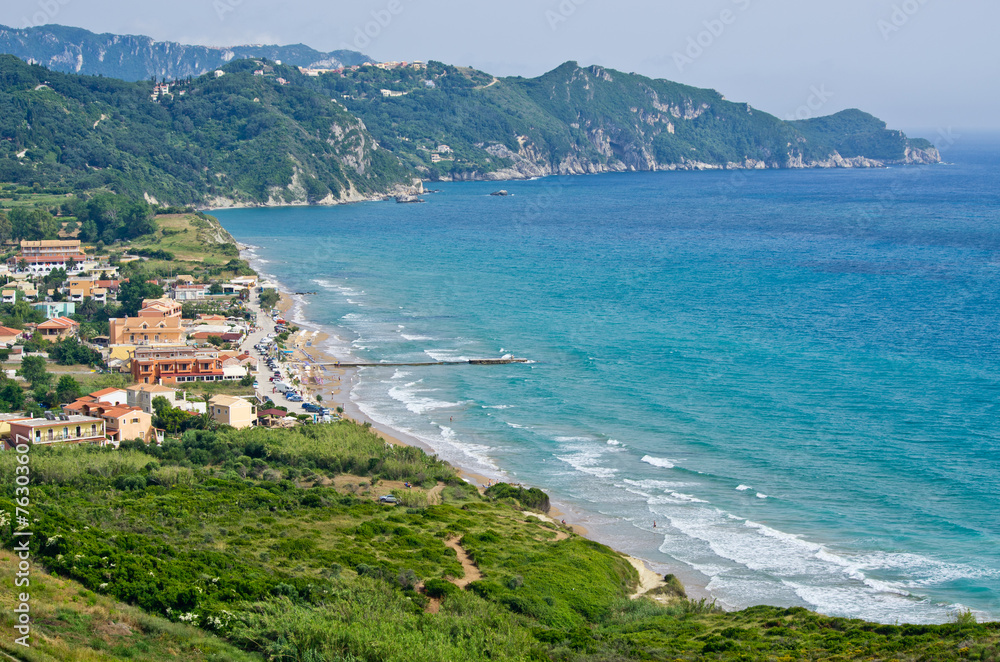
795 375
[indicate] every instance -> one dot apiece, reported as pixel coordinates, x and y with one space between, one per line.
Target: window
51 434
78 430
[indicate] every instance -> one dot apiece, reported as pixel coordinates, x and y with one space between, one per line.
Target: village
170 371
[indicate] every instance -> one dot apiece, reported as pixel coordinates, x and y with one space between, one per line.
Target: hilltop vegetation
264 133
273 542
239 137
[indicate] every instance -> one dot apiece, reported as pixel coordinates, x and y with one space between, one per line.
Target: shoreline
340 395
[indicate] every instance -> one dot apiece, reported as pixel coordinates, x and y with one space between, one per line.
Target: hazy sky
918 64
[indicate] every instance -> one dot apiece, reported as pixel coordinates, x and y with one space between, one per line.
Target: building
142 396
41 257
63 428
9 296
109 396
9 336
6 420
56 308
141 331
160 308
176 364
183 292
235 412
59 328
121 422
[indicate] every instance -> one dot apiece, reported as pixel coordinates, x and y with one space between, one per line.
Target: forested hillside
261 133
237 137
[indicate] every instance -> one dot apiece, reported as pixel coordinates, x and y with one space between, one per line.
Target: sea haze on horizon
795 374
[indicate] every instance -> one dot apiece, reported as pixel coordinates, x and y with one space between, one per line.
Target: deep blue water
794 374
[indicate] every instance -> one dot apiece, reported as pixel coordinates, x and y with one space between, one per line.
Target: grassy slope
71 622
291 563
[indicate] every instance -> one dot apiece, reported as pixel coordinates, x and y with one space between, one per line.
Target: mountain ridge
138 57
255 132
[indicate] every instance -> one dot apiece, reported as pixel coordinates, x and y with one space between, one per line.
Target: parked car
388 498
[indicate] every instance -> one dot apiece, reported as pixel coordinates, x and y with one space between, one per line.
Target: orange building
177 364
121 422
160 308
58 328
146 331
46 255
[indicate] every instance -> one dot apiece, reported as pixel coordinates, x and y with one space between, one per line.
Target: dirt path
472 573
648 580
434 495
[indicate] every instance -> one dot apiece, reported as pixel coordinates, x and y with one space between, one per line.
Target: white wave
565 440
515 425
587 463
446 355
614 442
761 496
400 374
663 463
416 403
497 406
409 337
743 488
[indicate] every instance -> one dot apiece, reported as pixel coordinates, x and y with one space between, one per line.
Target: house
56 309
82 285
110 396
59 328
186 279
176 364
76 296
146 331
189 292
9 296
30 291
235 412
99 295
160 308
142 396
9 336
41 257
63 428
6 420
125 423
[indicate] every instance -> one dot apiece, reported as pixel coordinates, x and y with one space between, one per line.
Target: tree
11 396
68 389
33 370
215 288
6 229
215 340
269 298
132 293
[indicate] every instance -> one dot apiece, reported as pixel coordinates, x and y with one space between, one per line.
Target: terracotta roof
58 323
104 391
120 410
152 388
7 331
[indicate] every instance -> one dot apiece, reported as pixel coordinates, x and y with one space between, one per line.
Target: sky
924 66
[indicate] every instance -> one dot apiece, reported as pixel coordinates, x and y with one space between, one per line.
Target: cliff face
134 58
575 120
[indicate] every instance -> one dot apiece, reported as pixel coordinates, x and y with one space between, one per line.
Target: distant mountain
577 119
133 58
261 133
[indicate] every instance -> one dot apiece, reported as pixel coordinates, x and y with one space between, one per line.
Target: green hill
262 133
239 137
274 542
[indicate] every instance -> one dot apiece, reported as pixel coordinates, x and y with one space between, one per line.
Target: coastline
338 394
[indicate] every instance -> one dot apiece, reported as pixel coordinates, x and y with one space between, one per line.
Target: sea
782 386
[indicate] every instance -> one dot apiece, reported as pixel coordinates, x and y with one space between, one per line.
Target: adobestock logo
900 16
820 95
47 10
372 30
698 43
562 12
